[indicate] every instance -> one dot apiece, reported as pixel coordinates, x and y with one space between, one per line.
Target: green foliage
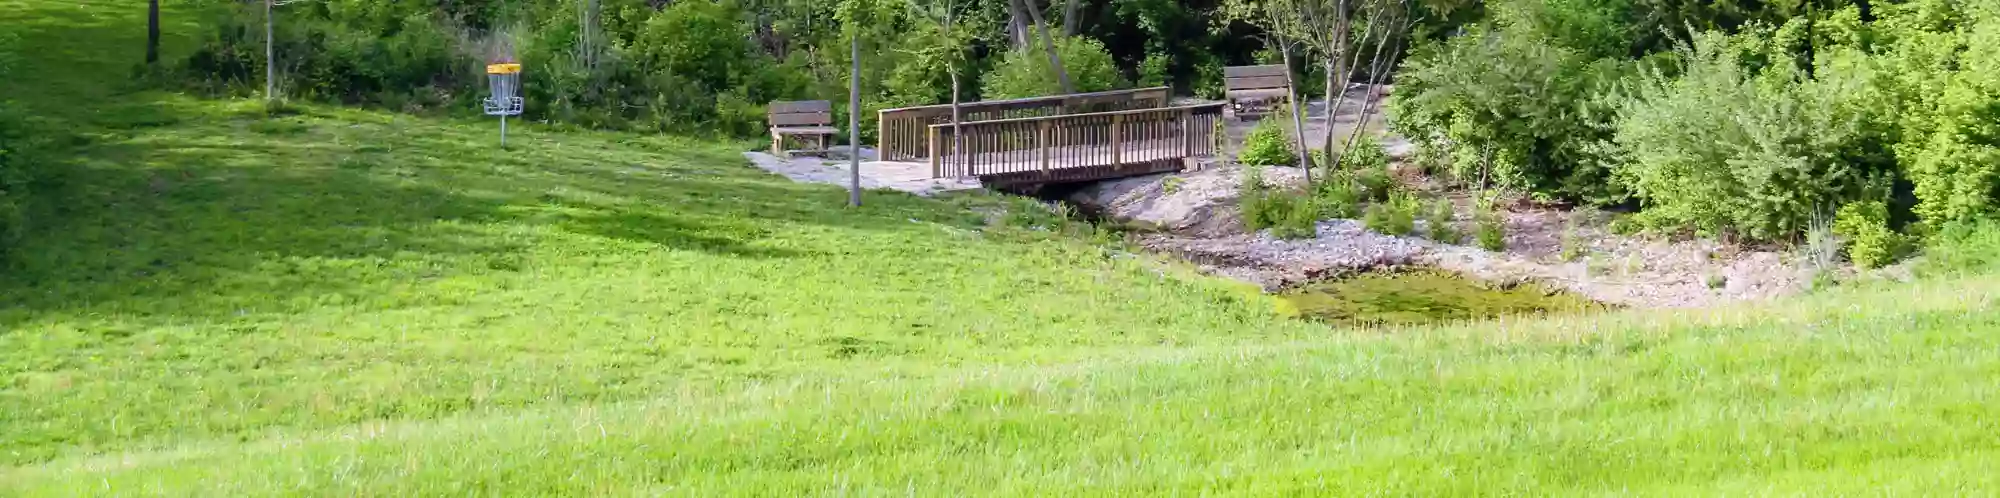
1490 226
1287 213
1504 108
1438 222
1397 216
1154 71
1269 143
1573 245
1963 249
1337 197
1027 73
1367 154
1725 147
1865 226
1944 58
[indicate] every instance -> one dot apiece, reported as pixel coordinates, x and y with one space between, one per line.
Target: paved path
907 177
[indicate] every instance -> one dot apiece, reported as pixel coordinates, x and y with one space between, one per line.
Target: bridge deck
1075 147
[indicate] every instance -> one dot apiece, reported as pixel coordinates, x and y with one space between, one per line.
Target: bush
1439 221
1288 214
1490 227
1865 226
1397 216
1963 249
1154 71
1724 148
1269 144
1337 197
1366 155
1026 72
1501 106
1944 58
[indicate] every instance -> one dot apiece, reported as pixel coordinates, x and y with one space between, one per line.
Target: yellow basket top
503 68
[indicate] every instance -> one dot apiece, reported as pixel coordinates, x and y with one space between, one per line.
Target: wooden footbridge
1064 138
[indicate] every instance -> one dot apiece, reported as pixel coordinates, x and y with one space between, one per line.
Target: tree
950 52
270 53
153 32
1282 27
1048 43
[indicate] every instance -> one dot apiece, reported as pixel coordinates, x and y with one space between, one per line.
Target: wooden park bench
1254 89
804 117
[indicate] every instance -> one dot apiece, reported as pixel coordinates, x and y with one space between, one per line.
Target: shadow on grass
211 218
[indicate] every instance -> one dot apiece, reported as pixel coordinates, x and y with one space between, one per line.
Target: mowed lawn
334 301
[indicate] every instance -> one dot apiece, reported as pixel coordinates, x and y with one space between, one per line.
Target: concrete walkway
907 177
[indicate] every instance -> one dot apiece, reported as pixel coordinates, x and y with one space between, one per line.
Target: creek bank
1196 218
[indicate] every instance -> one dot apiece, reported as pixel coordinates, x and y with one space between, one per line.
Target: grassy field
345 302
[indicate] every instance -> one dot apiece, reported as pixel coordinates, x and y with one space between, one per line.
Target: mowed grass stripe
1702 399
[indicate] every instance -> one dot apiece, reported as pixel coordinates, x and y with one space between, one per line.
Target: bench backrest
1254 77
800 113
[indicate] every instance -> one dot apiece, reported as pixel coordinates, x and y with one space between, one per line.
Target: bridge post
1042 142
937 156
1117 139
1187 133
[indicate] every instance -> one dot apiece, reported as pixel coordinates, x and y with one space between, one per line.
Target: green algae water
1425 296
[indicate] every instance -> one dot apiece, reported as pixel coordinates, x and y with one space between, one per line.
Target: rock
1201 204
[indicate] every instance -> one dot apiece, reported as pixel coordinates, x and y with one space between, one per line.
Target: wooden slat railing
901 132
1052 143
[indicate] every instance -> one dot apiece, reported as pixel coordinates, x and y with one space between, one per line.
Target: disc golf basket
504 80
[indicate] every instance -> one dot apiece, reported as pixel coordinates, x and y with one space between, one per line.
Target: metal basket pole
504 81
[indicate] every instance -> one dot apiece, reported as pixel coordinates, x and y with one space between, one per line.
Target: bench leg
777 144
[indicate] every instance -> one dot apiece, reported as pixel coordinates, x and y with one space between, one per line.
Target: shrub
1865 226
1288 214
1572 237
1268 144
1722 148
1944 58
1375 184
1337 197
1501 106
1026 72
1490 227
1397 216
1963 249
1366 155
1154 71
1439 222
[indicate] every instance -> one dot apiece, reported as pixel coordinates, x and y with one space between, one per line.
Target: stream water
1422 296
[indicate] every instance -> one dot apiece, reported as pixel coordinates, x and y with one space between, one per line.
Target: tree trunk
153 32
1049 45
590 44
1298 120
1336 77
854 121
270 54
1368 97
1017 25
1333 106
1069 18
957 131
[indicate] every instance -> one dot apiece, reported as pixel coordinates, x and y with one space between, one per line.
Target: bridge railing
1073 141
902 131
